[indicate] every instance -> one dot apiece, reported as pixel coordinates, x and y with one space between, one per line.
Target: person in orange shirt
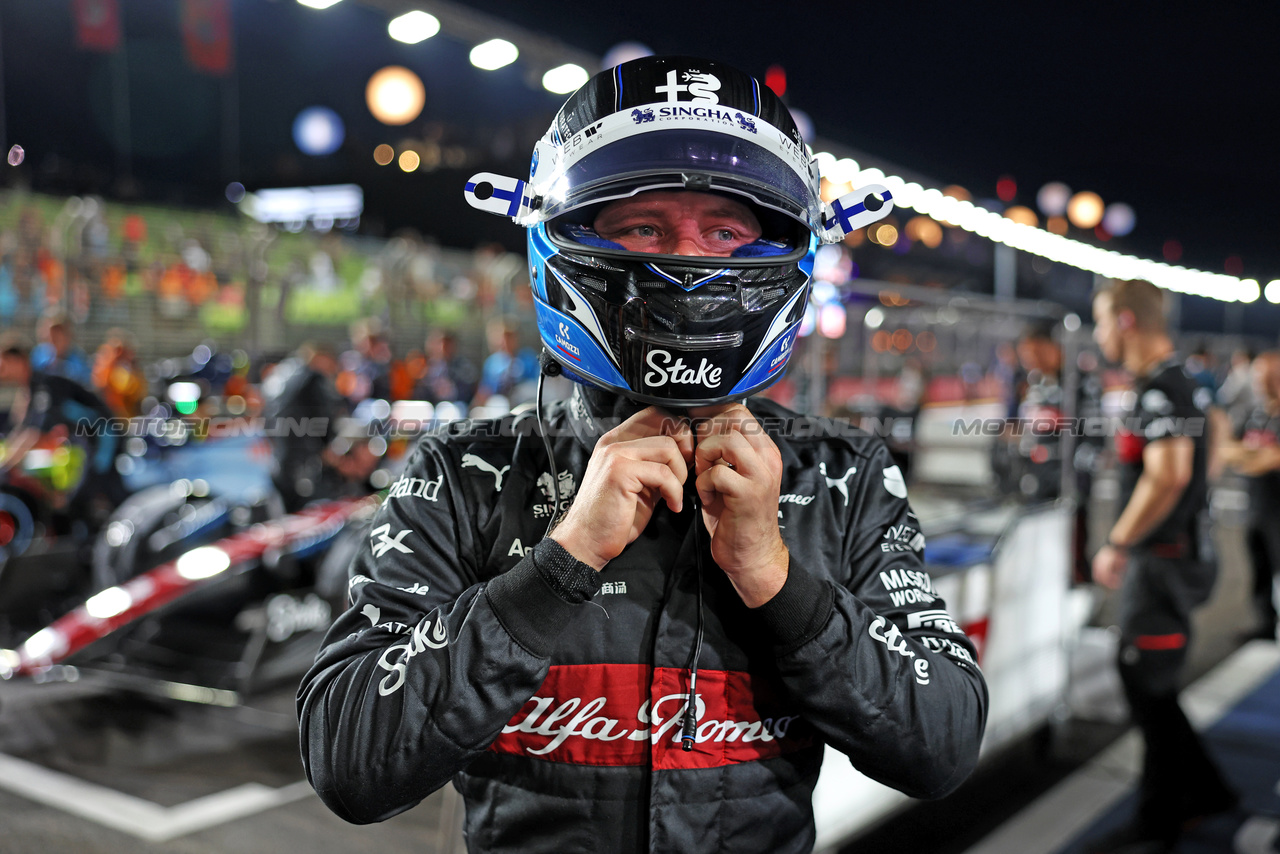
116 375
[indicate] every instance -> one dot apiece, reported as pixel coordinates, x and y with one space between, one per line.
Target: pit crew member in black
764 565
51 404
310 460
1256 455
1153 556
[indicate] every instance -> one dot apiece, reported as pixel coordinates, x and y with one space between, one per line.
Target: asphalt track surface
100 772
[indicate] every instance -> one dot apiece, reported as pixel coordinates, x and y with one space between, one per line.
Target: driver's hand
644 459
739 471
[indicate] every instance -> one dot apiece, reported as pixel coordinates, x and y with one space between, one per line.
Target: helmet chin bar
854 210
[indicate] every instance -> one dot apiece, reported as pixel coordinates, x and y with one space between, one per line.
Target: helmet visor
762 170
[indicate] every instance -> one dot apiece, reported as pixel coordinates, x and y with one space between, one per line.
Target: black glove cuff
571 579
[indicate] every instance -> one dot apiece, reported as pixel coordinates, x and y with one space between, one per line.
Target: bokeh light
1006 188
1085 209
926 341
925 230
384 154
775 77
1273 291
1022 215
902 340
886 235
409 160
1057 225
624 52
1052 198
235 192
832 319
1119 219
16 155
881 341
318 131
395 95
1172 251
804 123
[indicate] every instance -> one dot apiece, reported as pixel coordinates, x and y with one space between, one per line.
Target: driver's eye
724 234
646 231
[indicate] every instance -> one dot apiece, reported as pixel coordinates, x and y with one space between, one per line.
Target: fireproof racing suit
552 695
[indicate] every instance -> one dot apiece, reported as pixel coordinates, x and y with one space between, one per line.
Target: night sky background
1169 107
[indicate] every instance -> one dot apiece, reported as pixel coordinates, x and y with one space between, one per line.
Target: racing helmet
672 330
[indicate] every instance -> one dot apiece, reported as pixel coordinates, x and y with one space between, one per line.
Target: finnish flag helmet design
674 330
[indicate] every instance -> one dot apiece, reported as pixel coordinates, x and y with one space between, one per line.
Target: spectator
510 370
56 352
447 375
116 375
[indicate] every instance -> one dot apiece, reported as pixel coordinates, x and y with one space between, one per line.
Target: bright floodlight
319 4
1273 291
395 95
564 79
204 562
494 54
875 317
413 27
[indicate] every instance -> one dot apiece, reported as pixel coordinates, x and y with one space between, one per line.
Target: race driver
706 543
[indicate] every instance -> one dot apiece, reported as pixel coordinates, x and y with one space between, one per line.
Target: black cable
689 730
549 368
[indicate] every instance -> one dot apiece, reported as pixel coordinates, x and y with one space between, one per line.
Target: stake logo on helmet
676 330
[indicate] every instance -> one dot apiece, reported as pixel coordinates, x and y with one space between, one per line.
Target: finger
728 448
655 475
713 420
659 449
682 433
720 482
647 422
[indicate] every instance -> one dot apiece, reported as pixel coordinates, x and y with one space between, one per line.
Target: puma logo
842 483
471 461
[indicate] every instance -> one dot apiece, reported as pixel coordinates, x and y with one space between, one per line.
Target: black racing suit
303 410
552 695
1166 579
1262 428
